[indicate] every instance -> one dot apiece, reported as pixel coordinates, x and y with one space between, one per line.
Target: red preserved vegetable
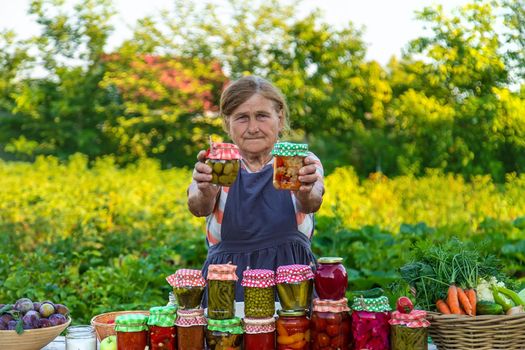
330 325
293 330
162 338
259 334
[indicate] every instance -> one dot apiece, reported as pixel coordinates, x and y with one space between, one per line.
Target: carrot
452 300
464 301
442 307
471 294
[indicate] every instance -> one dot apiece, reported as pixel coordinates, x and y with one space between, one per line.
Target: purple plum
62 309
46 309
6 318
11 325
3 325
57 319
44 322
36 305
24 305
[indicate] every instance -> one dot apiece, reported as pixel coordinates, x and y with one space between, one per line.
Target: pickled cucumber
217 168
224 172
228 167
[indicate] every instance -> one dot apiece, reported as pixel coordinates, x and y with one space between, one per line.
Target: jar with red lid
162 331
190 329
224 161
188 286
295 286
289 159
221 291
259 333
259 293
293 330
132 332
330 278
330 325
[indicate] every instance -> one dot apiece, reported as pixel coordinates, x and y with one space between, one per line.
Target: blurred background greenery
96 148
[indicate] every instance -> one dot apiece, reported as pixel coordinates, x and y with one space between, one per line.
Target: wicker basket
30 339
104 324
487 332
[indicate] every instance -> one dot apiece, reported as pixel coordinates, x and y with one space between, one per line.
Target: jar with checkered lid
224 161
190 329
162 331
294 286
330 325
259 293
221 291
132 332
408 327
188 286
224 334
289 158
259 333
371 314
293 330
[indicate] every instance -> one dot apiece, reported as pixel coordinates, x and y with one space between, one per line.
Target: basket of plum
28 325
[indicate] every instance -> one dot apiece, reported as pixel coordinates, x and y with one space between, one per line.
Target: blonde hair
242 89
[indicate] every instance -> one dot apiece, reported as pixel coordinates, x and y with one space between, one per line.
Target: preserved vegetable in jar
409 327
162 331
132 332
188 286
295 286
224 334
330 278
190 329
293 330
330 325
224 161
370 327
259 333
221 291
259 293
289 158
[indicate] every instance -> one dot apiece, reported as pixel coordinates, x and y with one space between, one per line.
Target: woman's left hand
308 176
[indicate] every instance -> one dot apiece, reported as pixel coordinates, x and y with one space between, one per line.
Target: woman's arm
202 194
310 195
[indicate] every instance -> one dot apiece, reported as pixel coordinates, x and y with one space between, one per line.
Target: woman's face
254 126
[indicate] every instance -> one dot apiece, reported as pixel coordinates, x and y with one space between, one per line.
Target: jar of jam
289 158
224 161
221 291
330 278
408 327
224 334
370 327
259 293
188 286
295 286
330 325
259 333
132 332
190 329
162 331
293 330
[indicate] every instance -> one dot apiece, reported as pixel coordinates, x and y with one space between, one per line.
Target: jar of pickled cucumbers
259 333
190 329
371 314
224 334
289 158
295 286
408 327
293 330
162 331
188 286
224 161
221 291
259 293
330 324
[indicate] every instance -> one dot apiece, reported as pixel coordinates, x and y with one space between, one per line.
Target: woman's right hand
202 174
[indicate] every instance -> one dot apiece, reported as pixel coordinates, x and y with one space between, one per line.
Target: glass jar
81 338
370 327
408 327
259 333
330 278
223 159
289 158
295 286
188 286
293 330
221 291
259 293
330 325
190 329
162 331
132 332
224 334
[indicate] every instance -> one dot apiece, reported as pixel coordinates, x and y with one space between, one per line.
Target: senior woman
251 224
